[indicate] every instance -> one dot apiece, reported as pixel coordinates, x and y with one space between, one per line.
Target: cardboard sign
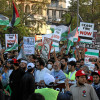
86 32
90 57
57 34
55 43
46 48
10 40
29 45
86 29
38 37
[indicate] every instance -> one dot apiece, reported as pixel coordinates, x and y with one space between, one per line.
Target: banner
55 43
86 32
11 40
91 56
29 45
38 38
46 48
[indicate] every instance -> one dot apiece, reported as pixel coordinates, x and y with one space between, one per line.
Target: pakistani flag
4 20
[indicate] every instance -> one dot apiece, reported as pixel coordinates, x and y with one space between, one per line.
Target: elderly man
58 74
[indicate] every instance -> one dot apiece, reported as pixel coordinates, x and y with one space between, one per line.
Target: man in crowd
41 70
51 94
64 63
32 58
81 62
58 74
71 75
77 65
82 91
85 69
96 82
27 85
50 64
15 79
23 65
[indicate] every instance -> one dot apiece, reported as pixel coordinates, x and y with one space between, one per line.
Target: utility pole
77 12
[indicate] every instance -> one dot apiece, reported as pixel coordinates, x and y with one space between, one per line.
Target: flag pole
77 12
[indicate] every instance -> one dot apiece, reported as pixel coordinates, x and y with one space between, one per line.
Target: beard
81 84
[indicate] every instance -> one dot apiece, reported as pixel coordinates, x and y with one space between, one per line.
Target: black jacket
15 79
27 86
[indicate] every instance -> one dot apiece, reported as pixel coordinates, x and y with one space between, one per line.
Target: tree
21 29
89 10
6 9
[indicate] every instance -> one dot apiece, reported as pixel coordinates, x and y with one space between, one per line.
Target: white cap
24 61
48 79
30 65
72 59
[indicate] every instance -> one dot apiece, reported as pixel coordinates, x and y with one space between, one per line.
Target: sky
67 3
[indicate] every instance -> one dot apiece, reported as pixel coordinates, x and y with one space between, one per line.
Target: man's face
56 66
59 58
50 63
63 62
69 67
78 65
8 64
22 65
31 59
38 66
82 63
81 80
96 79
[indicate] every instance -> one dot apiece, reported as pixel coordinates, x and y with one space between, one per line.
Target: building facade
55 10
35 13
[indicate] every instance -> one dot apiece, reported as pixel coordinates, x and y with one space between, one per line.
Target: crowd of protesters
19 78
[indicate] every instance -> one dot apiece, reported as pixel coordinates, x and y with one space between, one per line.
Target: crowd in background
19 77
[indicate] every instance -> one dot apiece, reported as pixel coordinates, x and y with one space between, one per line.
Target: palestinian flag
4 20
15 19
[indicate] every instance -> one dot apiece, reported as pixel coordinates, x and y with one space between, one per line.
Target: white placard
29 45
46 48
86 29
10 40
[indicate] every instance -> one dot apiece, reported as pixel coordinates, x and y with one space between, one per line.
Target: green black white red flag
15 19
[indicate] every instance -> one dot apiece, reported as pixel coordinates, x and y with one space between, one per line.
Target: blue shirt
58 75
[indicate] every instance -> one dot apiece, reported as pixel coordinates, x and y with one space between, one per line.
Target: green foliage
20 29
66 18
88 10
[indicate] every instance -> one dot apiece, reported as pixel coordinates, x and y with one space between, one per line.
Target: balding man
58 74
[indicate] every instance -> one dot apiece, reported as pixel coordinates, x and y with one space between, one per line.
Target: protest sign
91 56
29 45
11 40
38 38
46 48
55 43
86 32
